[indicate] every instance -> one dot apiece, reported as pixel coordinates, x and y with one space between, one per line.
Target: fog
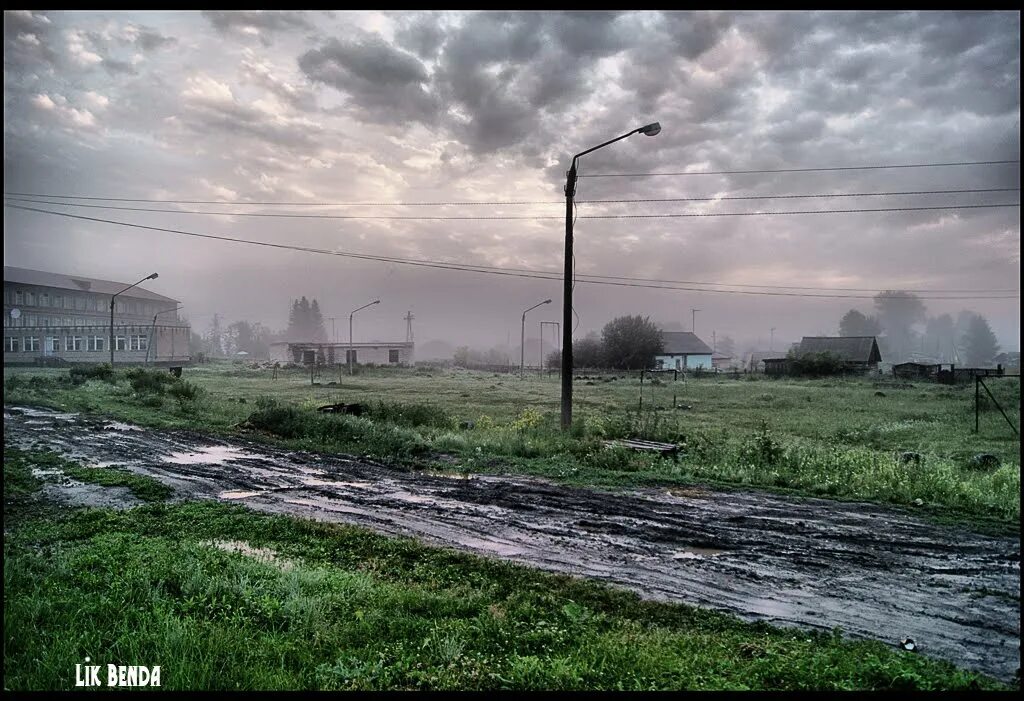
456 107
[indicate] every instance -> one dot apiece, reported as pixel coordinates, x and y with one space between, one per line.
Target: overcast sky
451 106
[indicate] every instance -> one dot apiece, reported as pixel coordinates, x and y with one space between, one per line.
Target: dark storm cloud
383 83
264 22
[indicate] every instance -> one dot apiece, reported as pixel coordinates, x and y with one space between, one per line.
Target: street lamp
570 193
693 320
352 352
152 330
154 276
771 343
522 341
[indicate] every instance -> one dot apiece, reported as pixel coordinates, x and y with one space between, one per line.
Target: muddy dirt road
876 572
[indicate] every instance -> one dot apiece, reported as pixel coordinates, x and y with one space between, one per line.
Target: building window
74 343
52 344
350 356
96 343
80 303
19 297
44 299
120 343
392 356
32 343
11 344
138 342
30 299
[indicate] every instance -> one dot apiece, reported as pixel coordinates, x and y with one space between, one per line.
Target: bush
149 381
80 374
411 414
762 449
816 364
184 391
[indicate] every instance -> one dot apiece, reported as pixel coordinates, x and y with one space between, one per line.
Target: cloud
256 23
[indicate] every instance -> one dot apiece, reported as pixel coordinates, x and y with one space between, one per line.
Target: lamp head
154 276
546 301
375 302
651 129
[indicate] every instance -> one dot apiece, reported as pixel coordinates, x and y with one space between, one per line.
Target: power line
800 170
509 202
542 275
502 217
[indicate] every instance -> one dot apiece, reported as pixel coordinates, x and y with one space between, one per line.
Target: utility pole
334 336
714 343
408 326
771 344
693 321
522 341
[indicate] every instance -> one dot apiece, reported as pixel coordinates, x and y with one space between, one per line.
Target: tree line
305 323
905 330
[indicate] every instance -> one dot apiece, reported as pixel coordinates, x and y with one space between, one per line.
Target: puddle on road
239 494
696 553
118 426
212 455
43 413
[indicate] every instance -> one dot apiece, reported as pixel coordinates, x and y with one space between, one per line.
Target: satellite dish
15 313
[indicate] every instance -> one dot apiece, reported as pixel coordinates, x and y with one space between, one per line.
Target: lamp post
570 193
522 341
351 351
771 343
693 320
154 276
152 330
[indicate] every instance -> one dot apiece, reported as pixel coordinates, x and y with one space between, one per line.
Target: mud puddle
876 572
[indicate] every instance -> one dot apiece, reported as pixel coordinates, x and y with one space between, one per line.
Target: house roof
78 283
683 343
857 349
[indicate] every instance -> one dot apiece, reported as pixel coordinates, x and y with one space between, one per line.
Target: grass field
840 438
224 598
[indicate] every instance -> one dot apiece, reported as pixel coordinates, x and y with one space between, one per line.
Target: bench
645 446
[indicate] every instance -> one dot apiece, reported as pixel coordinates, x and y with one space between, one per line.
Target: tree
979 342
215 337
855 323
587 352
250 337
316 323
898 312
631 342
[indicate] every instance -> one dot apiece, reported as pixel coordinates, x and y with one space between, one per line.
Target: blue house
682 351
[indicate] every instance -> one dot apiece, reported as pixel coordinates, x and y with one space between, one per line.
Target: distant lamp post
570 193
771 343
152 331
351 350
693 320
154 276
522 341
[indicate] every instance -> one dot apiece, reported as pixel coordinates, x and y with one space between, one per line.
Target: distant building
856 352
57 318
374 352
1008 360
755 361
683 351
722 361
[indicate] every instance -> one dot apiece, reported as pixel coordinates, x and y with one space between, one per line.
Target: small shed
756 361
856 352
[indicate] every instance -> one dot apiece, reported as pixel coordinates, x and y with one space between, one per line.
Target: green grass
324 606
836 438
142 486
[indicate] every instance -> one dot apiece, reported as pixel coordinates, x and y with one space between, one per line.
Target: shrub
184 391
411 414
815 364
80 374
145 381
762 449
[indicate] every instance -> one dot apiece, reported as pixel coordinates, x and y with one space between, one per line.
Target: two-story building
57 318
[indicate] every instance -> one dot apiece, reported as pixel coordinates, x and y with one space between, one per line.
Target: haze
452 107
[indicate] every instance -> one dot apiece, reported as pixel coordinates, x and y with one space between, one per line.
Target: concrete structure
372 353
682 350
56 318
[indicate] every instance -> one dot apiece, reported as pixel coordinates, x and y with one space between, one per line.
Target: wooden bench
645 446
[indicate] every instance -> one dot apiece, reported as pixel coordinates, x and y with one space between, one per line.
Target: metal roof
78 283
683 343
858 349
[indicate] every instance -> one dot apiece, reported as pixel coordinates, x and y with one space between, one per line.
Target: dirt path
876 572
